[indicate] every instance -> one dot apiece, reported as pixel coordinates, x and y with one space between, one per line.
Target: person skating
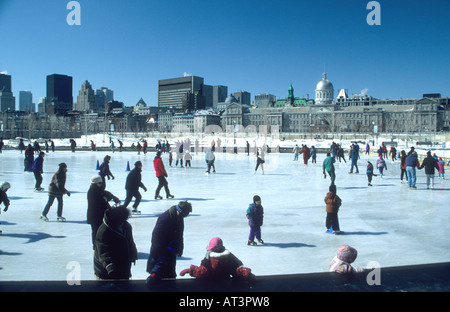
333 202
429 163
115 249
255 216
411 163
161 174
4 187
328 166
104 170
218 264
354 155
210 159
403 166
167 242
381 165
370 173
98 202
56 190
260 160
37 169
133 183
29 158
441 171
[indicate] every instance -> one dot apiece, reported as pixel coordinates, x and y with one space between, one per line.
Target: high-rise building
86 99
7 100
26 101
220 94
59 94
243 97
171 93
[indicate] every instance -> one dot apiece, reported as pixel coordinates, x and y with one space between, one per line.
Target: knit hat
4 186
96 179
347 253
214 243
184 208
256 198
62 165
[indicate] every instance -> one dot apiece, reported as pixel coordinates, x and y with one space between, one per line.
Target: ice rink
387 223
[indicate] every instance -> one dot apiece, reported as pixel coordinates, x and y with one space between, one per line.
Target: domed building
324 92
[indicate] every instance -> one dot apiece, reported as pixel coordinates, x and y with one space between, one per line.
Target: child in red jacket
218 264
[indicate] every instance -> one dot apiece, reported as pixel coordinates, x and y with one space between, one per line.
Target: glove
185 271
243 272
6 209
145 189
68 193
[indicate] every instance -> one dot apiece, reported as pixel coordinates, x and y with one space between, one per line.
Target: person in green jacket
328 166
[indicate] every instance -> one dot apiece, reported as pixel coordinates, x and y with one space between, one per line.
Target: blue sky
258 46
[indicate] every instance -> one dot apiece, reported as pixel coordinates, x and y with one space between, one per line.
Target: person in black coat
104 170
167 242
115 249
98 202
133 183
429 163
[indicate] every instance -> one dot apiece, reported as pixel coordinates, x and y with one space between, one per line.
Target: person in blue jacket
38 170
255 216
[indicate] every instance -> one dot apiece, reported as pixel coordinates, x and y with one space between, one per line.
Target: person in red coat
161 174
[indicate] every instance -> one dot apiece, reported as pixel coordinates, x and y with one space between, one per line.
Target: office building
7 100
26 101
59 94
184 93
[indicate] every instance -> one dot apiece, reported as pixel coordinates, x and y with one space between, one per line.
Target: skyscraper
59 94
171 93
7 100
26 101
86 99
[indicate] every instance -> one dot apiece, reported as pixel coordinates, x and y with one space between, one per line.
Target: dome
231 99
324 84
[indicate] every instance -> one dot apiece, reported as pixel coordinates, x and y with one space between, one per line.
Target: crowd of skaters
112 261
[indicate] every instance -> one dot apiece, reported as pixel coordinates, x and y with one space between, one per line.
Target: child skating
333 202
255 216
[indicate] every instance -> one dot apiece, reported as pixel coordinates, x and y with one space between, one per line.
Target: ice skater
370 173
411 163
381 165
132 185
210 158
403 166
161 174
56 190
167 242
354 155
218 264
104 170
4 187
328 166
429 163
441 171
341 263
115 249
98 202
255 216
333 202
260 160
37 169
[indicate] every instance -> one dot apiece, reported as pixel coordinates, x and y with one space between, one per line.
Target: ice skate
44 218
158 197
39 189
261 241
170 196
61 219
251 243
135 211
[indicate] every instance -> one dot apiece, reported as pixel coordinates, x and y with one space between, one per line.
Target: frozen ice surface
387 223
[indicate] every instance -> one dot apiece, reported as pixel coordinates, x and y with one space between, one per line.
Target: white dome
324 84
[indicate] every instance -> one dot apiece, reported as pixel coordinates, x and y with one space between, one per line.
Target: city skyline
255 46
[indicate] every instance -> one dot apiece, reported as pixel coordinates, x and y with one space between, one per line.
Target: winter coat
4 198
98 200
328 164
57 186
412 161
38 165
115 250
441 165
219 265
167 237
104 170
381 163
159 167
134 180
343 267
255 215
333 202
429 163
369 169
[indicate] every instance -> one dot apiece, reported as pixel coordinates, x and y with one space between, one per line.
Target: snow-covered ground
387 223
